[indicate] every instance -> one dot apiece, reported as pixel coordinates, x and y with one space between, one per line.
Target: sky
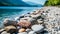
36 1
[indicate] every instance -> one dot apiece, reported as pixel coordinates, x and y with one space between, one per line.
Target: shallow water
12 12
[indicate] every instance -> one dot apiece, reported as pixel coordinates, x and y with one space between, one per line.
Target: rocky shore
42 21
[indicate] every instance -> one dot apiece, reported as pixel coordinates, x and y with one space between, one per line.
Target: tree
52 2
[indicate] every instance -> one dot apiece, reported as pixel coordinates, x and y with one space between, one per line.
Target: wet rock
27 15
23 33
31 20
37 28
28 30
10 29
32 32
17 19
24 23
25 18
4 32
8 22
22 30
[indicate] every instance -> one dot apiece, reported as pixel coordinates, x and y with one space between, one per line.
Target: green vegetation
52 2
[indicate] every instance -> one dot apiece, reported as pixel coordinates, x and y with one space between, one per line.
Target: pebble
39 21
10 29
24 23
32 32
32 22
28 30
22 30
23 33
37 28
4 32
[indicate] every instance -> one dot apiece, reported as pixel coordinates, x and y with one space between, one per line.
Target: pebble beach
41 21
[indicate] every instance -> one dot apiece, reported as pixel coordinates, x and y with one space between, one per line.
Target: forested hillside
52 2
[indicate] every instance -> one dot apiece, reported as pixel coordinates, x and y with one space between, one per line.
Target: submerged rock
37 28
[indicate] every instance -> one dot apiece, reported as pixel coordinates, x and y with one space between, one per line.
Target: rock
24 23
32 32
8 22
10 29
58 32
17 19
23 33
40 21
25 18
4 32
19 27
36 16
27 15
22 16
22 30
37 28
31 20
28 30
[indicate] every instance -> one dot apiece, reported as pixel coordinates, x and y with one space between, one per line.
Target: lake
12 12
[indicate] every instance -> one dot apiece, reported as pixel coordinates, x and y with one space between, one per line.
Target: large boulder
8 22
24 23
11 29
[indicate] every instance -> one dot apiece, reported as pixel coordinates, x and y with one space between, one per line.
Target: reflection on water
12 13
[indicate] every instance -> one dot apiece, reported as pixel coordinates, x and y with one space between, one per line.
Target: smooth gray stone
28 30
5 32
37 28
23 33
32 32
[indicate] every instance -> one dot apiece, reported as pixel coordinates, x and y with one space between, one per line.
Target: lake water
12 12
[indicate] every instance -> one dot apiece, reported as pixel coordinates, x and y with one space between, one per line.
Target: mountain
18 3
33 4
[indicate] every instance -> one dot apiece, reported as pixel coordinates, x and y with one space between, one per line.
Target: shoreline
38 21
